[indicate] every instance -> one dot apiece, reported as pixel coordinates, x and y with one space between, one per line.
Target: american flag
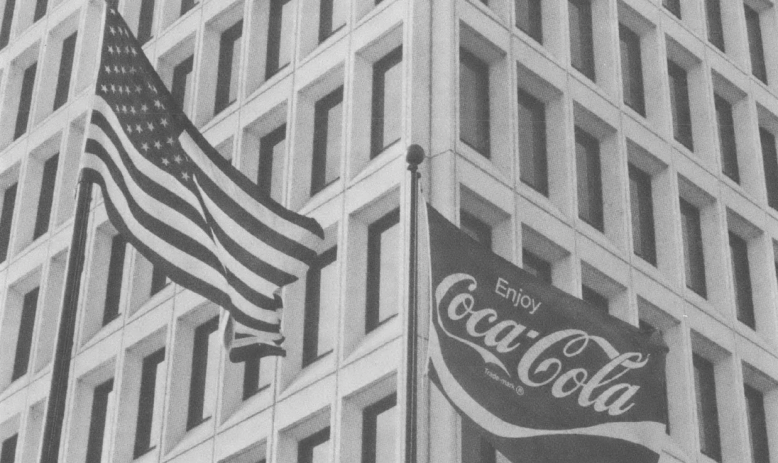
184 207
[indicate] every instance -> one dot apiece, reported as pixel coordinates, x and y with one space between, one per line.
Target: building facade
622 150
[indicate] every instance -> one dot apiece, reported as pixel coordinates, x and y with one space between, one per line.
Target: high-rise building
622 150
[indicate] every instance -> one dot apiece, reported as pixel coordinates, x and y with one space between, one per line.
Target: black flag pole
414 157
55 410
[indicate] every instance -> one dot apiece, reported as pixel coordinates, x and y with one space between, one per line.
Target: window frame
770 161
708 428
539 267
588 163
585 63
642 213
755 43
227 41
306 445
98 416
725 129
693 249
145 21
267 145
146 399
681 115
312 312
6 219
481 69
8 449
274 31
113 284
178 86
25 100
5 28
373 279
633 88
198 374
320 154
380 69
46 196
756 418
536 109
26 331
370 416
65 75
534 22
714 23
741 280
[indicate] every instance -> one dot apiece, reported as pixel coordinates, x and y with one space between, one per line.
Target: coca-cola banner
546 377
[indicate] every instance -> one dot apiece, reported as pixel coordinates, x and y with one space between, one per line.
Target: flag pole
55 410
414 157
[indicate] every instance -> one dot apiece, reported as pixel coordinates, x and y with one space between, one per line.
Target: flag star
115 68
132 109
129 128
185 175
127 89
127 49
157 144
121 89
113 11
124 109
151 87
138 128
144 108
113 31
158 104
134 53
144 146
113 88
166 161
150 126
132 69
104 88
108 69
170 141
124 70
110 49
163 122
177 158
118 108
138 88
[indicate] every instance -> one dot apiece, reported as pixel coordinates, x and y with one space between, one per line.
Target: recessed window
272 148
327 140
65 70
741 275
386 121
679 104
5 28
113 285
46 197
25 100
187 5
181 88
537 266
757 425
24 338
673 6
158 280
8 451
707 409
379 431
595 299
770 160
581 37
589 175
715 26
632 70
476 228
40 9
321 285
315 448
203 382
332 16
755 44
727 144
383 239
529 18
257 374
227 79
642 209
279 36
152 391
145 21
533 156
694 260
101 404
474 122
6 219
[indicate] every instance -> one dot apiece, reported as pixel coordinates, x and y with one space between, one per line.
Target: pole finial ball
415 155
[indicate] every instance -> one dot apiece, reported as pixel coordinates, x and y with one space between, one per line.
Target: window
113 285
383 260
181 89
694 259
272 148
158 280
152 385
332 16
537 266
474 102
327 139
632 70
770 159
707 410
715 26
101 399
5 29
46 196
581 37
24 339
145 21
205 362
386 123
320 307
6 219
741 274
673 6
25 101
279 36
533 158
315 448
587 154
228 74
256 376
8 451
379 431
529 18
726 126
476 229
679 105
755 44
40 9
595 299
757 425
187 5
65 70
642 208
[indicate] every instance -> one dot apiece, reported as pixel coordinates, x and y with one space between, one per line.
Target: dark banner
545 376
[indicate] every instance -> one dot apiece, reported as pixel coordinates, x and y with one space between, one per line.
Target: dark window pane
319 313
5 29
147 427
202 367
24 340
48 182
632 70
270 170
741 273
328 120
533 157
8 452
40 9
529 18
757 425
726 126
145 21
113 285
581 37
770 159
6 220
694 260
100 398
65 70
587 153
187 5
715 27
226 79
379 431
476 229
673 6
314 448
279 36
332 16
595 299
474 124
679 105
642 208
387 102
158 280
182 82
707 410
537 266
25 101
383 238
755 44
